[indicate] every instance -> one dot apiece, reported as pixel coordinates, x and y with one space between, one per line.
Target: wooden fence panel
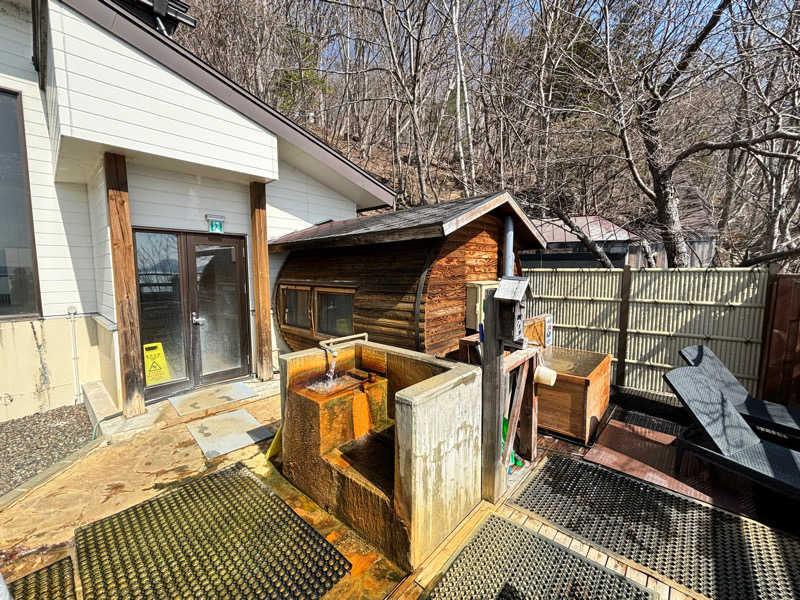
781 370
667 310
584 304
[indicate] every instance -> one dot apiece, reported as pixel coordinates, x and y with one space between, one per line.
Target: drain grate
506 561
632 417
54 582
222 536
713 552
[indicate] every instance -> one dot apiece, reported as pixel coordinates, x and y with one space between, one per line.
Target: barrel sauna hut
399 276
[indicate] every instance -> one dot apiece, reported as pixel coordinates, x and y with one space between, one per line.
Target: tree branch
770 257
778 134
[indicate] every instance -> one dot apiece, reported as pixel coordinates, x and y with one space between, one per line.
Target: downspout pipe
72 313
508 247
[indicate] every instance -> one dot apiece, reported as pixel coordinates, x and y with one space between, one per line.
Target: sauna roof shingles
436 221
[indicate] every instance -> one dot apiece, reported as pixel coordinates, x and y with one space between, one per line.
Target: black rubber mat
711 551
222 536
639 419
54 582
508 562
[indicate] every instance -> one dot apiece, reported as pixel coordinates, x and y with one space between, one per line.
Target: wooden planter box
576 403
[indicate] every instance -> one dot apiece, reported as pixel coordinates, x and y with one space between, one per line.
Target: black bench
734 445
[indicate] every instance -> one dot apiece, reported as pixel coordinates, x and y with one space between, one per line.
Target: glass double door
192 309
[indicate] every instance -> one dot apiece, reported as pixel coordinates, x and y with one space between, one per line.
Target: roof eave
493 202
360 239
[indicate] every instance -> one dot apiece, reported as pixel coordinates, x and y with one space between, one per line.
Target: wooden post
770 299
622 336
125 291
263 319
493 477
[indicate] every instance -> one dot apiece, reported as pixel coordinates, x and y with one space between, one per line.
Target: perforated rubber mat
632 417
54 582
223 536
711 551
508 562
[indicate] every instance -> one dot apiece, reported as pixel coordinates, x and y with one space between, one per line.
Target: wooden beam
125 291
261 297
513 416
529 417
518 357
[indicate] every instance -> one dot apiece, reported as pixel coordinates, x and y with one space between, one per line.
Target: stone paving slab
227 432
210 397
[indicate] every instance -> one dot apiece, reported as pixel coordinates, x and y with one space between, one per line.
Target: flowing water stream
329 381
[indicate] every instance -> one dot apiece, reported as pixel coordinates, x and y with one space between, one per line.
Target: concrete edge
454 372
429 389
49 473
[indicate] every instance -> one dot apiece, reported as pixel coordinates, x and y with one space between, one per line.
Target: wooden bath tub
575 404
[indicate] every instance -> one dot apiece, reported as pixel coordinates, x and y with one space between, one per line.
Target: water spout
331 372
327 346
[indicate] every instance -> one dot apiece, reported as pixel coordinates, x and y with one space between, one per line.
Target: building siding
111 93
101 245
127 107
297 201
60 212
65 254
167 199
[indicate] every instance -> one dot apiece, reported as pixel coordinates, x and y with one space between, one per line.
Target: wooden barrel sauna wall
407 294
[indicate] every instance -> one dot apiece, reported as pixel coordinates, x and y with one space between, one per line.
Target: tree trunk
665 196
669 217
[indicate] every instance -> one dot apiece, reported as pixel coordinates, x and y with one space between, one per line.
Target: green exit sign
216 223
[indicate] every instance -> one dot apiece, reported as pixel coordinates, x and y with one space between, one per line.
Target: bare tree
617 108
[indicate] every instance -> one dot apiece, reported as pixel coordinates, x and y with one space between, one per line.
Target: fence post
770 298
622 336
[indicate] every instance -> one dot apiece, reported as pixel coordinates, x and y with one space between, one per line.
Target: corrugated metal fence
667 309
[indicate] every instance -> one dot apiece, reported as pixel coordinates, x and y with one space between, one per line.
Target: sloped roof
597 228
132 30
421 222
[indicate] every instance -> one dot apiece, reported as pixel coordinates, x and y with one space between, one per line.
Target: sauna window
19 294
335 312
295 307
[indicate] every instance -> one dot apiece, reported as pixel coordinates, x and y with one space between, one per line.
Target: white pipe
508 248
326 344
72 312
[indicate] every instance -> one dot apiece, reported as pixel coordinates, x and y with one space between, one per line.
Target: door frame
194 378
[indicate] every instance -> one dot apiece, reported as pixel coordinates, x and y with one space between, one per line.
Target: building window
18 279
334 312
295 307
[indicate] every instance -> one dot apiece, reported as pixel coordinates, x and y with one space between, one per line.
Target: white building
120 152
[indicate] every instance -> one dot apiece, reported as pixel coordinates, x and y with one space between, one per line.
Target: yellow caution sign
155 364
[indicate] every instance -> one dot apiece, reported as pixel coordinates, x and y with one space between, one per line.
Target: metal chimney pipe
508 247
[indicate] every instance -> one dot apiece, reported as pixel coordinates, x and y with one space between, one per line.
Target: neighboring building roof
132 30
597 228
421 222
